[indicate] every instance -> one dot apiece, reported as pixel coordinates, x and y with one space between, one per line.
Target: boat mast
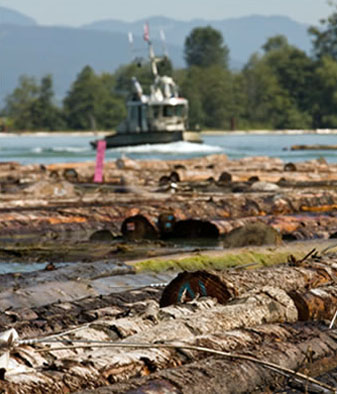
152 56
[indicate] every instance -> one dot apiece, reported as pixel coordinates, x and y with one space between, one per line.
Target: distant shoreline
55 133
98 134
269 132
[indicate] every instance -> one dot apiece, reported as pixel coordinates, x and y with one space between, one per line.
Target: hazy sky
77 12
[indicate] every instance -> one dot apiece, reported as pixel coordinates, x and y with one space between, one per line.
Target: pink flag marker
100 151
146 32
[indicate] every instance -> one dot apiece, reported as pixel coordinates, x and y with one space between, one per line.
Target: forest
280 87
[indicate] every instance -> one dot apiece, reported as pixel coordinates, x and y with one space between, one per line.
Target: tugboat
160 117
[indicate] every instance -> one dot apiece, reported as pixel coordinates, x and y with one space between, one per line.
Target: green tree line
281 87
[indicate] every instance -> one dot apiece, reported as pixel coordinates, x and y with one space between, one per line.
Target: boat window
156 111
168 111
133 114
178 110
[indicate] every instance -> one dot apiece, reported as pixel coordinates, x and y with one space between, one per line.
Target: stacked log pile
266 329
288 211
224 194
240 331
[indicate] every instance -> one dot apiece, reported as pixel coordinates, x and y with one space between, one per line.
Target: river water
67 147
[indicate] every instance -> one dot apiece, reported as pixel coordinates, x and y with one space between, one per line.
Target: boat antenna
133 50
153 59
131 42
163 40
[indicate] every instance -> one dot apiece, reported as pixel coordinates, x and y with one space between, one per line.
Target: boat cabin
168 115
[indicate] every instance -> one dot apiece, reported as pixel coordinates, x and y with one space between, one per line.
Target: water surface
52 148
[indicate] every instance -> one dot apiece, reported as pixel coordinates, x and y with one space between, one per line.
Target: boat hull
162 137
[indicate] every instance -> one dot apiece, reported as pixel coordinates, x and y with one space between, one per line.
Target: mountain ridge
32 49
13 17
234 31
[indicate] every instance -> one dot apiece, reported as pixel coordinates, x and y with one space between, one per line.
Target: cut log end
189 285
138 227
252 234
193 228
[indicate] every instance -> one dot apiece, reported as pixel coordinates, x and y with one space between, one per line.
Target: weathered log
110 216
70 283
36 321
226 375
252 234
199 206
202 323
290 167
194 228
316 304
248 230
141 172
198 175
227 284
101 236
288 345
328 183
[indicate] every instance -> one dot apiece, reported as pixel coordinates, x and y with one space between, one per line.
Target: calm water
48 149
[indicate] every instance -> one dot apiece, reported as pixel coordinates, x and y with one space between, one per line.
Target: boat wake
59 149
174 148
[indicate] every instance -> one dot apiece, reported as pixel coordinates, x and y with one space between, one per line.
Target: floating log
313 147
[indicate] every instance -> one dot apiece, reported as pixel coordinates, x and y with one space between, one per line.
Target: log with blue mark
186 289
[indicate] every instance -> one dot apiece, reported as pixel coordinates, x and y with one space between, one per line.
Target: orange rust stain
145 371
67 220
224 214
132 212
322 208
285 226
9 218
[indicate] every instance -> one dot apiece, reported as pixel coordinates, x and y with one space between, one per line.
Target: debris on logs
224 285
